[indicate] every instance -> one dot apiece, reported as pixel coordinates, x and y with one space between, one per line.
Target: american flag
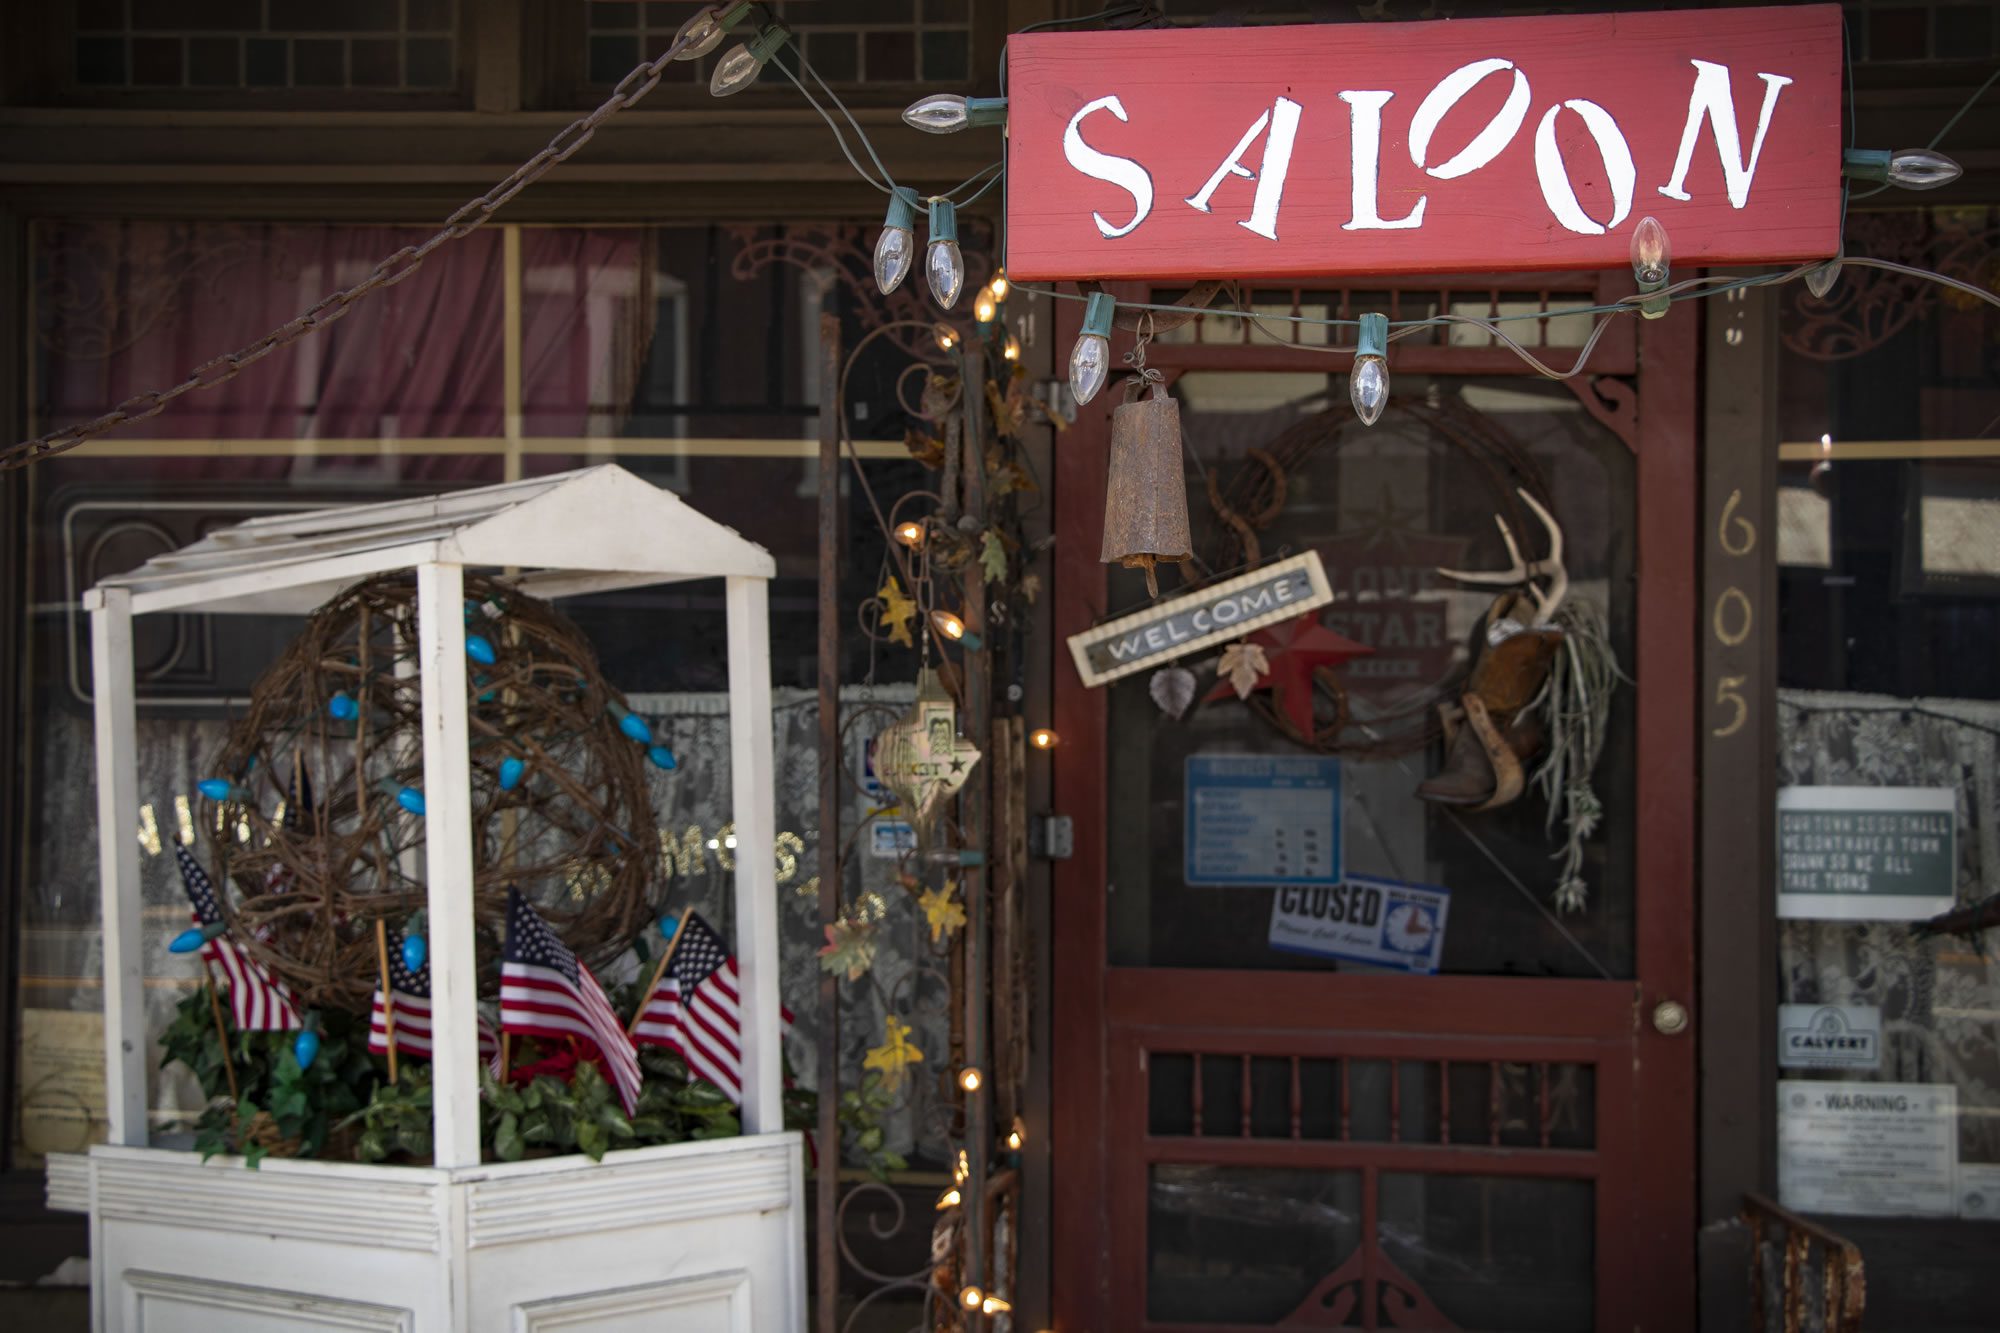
694 1009
546 992
257 1001
411 992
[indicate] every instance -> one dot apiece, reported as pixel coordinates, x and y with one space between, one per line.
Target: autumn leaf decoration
1243 665
993 557
896 1053
897 611
849 948
943 911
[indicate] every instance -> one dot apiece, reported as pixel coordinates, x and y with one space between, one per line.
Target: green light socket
1097 313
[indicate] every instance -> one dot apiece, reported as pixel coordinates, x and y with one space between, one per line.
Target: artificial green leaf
507 1142
993 557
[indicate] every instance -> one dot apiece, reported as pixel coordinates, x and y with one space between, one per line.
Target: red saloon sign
1445 147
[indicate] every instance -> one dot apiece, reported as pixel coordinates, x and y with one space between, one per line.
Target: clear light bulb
1090 359
946 335
994 1305
703 33
1089 366
1651 252
940 113
1368 388
1921 169
970 1080
971 1298
999 286
735 71
746 60
894 249
1820 280
945 267
1652 260
1012 351
983 309
1368 384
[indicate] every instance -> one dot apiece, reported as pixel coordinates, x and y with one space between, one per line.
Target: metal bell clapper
1145 499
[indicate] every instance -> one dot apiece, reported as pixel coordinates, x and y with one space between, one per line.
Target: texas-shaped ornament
921 758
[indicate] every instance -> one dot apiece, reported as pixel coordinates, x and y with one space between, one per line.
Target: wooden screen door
1246 1137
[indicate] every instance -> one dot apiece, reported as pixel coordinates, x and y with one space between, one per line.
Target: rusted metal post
826 1175
975 808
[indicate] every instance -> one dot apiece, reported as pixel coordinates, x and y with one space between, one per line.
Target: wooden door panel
1130 1038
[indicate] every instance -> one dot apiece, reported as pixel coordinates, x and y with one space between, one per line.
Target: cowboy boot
1484 758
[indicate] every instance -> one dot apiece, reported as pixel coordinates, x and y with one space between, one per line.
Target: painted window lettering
1711 104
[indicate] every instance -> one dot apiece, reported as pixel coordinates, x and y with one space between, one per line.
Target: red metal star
1293 649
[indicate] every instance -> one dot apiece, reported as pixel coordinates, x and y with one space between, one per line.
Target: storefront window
688 355
1889 732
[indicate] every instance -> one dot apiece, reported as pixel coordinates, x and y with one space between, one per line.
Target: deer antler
1523 573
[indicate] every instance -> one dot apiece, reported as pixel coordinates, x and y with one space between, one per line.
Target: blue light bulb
306 1048
512 770
216 789
669 926
662 757
635 727
194 937
411 799
414 952
480 649
342 708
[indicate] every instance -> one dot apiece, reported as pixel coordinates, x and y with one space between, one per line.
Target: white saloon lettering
1283 119
1123 172
1709 102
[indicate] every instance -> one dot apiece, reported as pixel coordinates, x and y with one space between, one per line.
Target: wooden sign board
1220 613
1465 145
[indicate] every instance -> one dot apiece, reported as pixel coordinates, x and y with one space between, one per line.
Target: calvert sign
1466 145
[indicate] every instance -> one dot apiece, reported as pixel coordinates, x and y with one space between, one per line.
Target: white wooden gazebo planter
696 1236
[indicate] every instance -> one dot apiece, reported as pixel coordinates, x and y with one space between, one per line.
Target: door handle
1670 1018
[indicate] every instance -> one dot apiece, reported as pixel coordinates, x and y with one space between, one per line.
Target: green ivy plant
302 1105
397 1118
345 1095
861 1112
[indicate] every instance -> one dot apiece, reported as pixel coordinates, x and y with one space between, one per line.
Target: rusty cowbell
1145 500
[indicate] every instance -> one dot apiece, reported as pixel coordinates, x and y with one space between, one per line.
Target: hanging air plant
1575 708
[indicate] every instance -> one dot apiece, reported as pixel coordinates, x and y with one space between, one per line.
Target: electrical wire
838 137
862 134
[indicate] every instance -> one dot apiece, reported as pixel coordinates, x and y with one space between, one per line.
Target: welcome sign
1466 145
1201 619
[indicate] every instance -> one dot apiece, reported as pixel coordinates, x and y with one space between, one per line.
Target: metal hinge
1052 837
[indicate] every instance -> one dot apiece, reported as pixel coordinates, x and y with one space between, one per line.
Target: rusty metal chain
392 270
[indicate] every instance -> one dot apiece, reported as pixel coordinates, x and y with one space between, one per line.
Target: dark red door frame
1646 1104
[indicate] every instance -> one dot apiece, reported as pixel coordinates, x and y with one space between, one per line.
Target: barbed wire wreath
322 831
1252 500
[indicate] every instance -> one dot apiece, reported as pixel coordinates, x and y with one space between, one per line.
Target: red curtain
122 307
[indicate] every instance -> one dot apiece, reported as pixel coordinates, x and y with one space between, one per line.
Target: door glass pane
1244 1245
1384 507
1490 1252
